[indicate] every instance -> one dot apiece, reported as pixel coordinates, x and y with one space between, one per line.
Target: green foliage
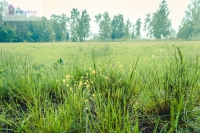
59 27
117 27
7 34
83 26
80 25
138 28
104 22
75 14
127 29
190 27
160 23
147 26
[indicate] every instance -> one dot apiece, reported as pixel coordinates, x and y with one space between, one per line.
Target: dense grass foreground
112 97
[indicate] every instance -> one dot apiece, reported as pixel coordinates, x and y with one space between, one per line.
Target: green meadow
100 87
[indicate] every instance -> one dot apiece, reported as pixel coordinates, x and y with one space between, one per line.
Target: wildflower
91 82
86 100
106 77
80 83
87 86
93 95
68 76
64 80
70 88
67 85
93 72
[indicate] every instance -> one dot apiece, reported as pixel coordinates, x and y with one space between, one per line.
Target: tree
190 25
133 32
127 29
22 30
104 22
58 23
160 23
47 29
7 34
36 31
75 14
83 27
138 28
147 29
7 30
117 27
63 23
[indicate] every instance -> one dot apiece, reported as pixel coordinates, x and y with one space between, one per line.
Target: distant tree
160 23
173 34
104 22
22 30
147 29
75 15
47 30
132 31
138 28
127 29
117 27
35 29
190 25
7 34
64 20
83 28
7 29
56 27
59 27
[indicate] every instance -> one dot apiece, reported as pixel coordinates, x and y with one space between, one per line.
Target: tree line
76 27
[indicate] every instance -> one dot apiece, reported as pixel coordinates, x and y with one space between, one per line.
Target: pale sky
132 9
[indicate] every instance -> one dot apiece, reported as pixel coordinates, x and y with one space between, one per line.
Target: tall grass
112 97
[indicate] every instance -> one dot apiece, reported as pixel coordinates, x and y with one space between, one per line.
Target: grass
100 87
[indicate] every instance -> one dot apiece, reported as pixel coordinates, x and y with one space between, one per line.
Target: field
100 87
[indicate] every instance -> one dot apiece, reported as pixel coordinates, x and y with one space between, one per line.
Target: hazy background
132 9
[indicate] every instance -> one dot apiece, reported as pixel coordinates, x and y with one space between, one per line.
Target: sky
131 9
